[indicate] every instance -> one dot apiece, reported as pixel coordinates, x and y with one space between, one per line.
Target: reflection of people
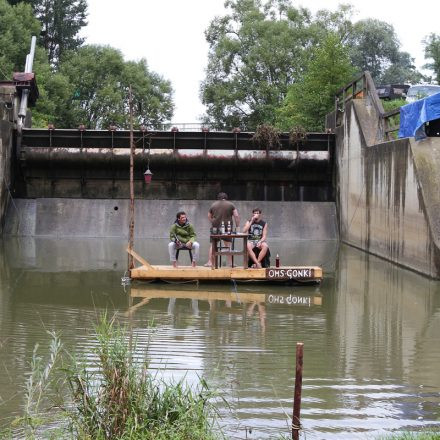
222 211
257 245
261 313
182 236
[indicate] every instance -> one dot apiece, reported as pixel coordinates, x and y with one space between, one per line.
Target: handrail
366 91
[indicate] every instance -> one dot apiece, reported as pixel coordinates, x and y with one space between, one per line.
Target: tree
61 21
401 71
311 98
17 26
432 51
374 46
255 52
98 82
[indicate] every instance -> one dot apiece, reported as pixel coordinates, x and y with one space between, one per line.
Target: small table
218 251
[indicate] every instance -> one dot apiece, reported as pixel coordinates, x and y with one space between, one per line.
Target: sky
169 34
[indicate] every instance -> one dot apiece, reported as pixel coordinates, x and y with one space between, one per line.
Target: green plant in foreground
114 396
424 435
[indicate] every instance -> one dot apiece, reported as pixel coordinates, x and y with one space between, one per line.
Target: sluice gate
185 165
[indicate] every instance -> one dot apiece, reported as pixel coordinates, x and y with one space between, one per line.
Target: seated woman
258 250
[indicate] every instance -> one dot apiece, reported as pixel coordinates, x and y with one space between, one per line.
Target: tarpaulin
413 116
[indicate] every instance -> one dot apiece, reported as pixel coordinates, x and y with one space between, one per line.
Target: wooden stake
296 424
132 151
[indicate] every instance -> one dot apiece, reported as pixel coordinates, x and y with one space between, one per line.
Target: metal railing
362 87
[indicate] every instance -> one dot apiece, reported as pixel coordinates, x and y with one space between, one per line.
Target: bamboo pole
131 226
296 424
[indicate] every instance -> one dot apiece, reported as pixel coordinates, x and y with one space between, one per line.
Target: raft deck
285 273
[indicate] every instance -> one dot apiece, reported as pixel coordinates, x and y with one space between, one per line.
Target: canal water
370 332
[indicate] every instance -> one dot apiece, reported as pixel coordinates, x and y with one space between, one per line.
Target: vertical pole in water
296 425
131 227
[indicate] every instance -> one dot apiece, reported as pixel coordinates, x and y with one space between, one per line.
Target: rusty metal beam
63 138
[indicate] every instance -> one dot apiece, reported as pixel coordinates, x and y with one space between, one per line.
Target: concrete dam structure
349 183
388 198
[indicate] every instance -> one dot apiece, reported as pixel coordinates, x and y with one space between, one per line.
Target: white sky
170 35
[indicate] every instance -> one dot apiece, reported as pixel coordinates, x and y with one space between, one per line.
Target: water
370 333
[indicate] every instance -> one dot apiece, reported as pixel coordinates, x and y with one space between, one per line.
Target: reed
114 396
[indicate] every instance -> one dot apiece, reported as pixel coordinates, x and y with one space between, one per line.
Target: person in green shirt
183 236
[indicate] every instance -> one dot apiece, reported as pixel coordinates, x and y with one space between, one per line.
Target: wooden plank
139 258
204 273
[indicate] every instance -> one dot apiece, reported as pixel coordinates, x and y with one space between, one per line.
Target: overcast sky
170 35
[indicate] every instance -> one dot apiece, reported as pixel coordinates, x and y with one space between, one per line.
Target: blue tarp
413 116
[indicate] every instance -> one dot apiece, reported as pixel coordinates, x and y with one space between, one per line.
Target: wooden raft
285 273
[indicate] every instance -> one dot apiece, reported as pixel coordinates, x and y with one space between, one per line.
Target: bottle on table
229 229
277 261
222 228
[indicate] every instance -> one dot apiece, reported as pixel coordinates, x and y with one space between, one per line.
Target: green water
370 332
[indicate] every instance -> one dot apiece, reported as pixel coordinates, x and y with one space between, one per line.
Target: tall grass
115 396
424 435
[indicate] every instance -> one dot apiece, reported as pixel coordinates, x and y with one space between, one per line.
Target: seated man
258 250
182 236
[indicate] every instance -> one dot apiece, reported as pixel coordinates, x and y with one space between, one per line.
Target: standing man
222 211
257 245
182 236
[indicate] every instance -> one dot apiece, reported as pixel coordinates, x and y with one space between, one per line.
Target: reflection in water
370 332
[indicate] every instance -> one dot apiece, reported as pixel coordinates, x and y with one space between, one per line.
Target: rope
179 282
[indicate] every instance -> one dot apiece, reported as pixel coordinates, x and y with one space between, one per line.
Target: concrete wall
388 197
59 217
7 97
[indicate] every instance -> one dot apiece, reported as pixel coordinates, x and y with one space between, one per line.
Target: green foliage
98 80
374 46
111 395
17 25
260 50
393 104
402 71
432 51
61 21
424 435
311 98
253 57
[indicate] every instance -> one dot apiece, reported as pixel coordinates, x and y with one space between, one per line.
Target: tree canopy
17 25
61 21
312 97
78 84
262 54
255 52
99 80
432 52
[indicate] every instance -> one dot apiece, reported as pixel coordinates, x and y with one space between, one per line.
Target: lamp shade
148 175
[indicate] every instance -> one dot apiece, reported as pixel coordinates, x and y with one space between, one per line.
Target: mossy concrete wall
388 199
7 98
59 217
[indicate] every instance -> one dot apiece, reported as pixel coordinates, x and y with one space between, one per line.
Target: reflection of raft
282 298
302 274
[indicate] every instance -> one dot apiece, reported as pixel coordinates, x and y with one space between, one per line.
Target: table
218 250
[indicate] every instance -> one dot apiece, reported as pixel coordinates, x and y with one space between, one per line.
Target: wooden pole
296 425
131 226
